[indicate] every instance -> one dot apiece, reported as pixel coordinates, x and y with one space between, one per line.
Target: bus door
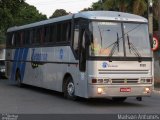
82 59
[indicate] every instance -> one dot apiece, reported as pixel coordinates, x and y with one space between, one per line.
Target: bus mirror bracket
151 40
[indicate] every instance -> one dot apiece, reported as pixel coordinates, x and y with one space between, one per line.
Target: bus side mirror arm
151 40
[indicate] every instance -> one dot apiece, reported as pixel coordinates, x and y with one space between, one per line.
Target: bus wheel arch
68 87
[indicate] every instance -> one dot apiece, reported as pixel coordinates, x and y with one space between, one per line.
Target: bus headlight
147 90
101 90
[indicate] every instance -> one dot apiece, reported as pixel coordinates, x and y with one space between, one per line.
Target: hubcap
70 88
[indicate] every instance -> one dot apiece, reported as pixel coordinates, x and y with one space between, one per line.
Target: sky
49 6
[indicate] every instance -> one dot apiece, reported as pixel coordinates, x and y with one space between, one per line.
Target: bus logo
104 64
61 54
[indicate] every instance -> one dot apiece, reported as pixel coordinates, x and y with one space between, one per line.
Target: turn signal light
94 80
146 80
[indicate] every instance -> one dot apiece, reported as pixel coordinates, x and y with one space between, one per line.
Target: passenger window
46 34
53 33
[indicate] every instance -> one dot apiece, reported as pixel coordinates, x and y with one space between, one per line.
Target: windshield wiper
100 34
133 48
116 44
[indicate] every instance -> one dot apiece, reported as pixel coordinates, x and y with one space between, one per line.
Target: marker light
100 81
106 81
142 80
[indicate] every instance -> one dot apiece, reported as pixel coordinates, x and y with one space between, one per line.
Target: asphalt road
32 100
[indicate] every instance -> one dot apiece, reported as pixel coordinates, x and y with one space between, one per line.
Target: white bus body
125 70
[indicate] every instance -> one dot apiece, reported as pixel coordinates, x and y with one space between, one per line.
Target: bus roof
93 15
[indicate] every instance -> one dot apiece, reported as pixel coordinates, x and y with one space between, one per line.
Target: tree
133 6
28 14
158 3
156 13
15 13
8 10
86 9
139 7
59 12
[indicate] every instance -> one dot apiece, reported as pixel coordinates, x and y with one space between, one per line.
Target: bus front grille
124 81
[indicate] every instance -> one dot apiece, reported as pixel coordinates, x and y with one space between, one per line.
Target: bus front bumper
103 91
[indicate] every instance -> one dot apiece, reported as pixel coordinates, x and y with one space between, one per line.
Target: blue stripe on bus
20 54
12 78
23 65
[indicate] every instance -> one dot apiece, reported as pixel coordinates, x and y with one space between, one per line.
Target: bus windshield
108 39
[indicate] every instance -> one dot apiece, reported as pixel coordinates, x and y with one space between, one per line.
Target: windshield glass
105 37
136 40
108 40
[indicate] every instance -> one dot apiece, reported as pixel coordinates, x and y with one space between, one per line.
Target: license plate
125 89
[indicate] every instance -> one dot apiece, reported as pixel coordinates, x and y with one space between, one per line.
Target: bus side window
42 35
68 31
31 36
46 34
37 36
59 31
53 33
21 38
17 38
27 37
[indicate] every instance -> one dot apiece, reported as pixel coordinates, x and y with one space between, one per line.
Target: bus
92 54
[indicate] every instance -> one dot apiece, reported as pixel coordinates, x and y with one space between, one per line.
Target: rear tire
119 99
69 89
18 79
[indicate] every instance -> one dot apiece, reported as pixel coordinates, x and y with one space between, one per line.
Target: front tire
69 89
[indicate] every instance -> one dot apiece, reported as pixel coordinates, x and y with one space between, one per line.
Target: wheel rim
70 88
